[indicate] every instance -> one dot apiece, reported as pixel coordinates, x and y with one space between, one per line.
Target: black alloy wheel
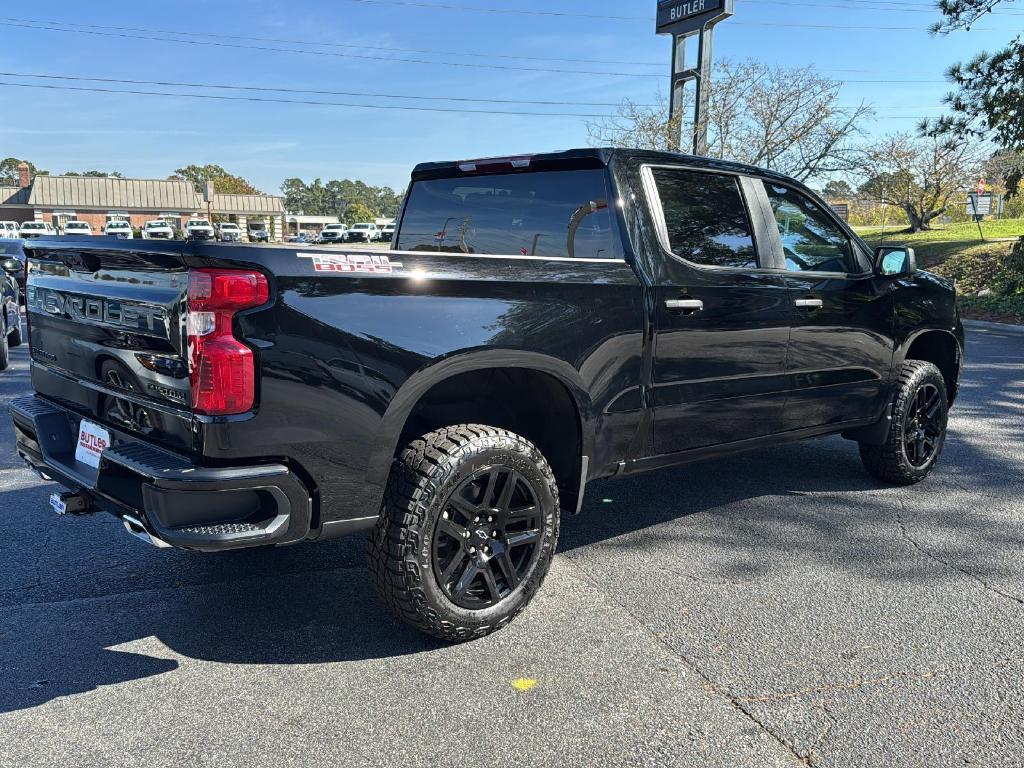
488 538
917 430
924 425
467 531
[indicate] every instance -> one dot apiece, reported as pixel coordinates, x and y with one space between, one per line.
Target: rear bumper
177 502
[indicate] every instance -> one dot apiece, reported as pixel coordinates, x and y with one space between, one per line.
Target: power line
349 105
289 41
391 59
302 102
570 14
270 89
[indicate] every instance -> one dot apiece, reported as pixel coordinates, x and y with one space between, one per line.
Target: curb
1017 330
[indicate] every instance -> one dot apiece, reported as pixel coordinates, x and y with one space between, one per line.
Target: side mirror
895 261
12 266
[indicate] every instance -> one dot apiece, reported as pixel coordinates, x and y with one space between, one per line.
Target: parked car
229 232
333 233
539 323
387 233
296 239
119 228
77 229
258 233
199 229
11 269
30 229
363 232
157 229
9 229
10 251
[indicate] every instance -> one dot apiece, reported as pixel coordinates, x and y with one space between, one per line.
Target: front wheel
467 531
917 434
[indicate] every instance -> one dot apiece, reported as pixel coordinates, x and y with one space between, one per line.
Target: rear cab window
706 219
548 214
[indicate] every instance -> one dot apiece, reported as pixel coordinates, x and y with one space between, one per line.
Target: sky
596 53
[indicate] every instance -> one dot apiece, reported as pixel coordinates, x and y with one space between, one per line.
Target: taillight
221 368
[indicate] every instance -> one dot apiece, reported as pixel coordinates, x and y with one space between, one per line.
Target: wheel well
943 352
532 404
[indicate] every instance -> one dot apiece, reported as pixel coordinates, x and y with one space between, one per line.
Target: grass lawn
934 246
957 252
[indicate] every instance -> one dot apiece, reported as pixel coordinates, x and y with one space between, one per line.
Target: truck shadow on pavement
83 606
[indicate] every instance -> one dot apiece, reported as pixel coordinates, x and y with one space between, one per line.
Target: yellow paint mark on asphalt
524 684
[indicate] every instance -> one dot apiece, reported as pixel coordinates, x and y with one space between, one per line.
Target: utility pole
684 19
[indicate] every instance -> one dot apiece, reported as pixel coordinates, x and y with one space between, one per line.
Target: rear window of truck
550 214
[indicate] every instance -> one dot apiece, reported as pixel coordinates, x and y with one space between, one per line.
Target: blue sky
147 136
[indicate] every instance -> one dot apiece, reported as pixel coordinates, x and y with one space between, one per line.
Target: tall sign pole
684 19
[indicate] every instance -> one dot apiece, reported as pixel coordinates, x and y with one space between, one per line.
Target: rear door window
553 214
705 218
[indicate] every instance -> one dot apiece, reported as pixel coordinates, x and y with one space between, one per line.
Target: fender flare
421 382
900 355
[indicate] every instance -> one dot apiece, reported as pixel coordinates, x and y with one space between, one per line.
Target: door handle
685 305
809 303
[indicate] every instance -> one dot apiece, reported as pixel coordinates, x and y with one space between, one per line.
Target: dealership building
98 200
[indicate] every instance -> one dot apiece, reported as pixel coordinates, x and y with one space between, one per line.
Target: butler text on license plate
92 441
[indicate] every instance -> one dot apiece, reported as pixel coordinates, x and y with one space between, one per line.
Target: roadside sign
979 205
842 210
681 17
208 192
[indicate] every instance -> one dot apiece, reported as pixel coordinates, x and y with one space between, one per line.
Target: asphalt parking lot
767 610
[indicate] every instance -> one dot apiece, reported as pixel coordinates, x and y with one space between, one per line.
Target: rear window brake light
495 163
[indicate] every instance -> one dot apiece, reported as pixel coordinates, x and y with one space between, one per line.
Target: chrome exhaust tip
135 527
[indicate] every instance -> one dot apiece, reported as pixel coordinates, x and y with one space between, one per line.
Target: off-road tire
400 550
889 462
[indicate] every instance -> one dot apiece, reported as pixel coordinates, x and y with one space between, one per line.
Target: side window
811 241
555 214
706 218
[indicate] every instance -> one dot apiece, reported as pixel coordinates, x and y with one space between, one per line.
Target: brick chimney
24 175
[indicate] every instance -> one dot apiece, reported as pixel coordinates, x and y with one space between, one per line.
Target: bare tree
920 175
788 120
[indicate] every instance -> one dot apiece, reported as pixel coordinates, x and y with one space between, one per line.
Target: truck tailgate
108 337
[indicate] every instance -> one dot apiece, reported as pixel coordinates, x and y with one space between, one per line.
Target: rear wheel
467 531
920 412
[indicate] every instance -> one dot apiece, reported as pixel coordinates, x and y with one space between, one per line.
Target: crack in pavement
905 532
709 683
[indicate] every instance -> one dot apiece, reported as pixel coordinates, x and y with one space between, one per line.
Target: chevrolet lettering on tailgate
99 311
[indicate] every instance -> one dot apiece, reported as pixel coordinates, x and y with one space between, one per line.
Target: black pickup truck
540 322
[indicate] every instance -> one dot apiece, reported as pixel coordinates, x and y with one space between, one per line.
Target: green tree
9 171
335 197
225 183
989 100
920 175
96 174
358 212
837 189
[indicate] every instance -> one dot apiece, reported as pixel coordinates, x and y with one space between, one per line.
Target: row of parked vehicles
157 229
361 232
